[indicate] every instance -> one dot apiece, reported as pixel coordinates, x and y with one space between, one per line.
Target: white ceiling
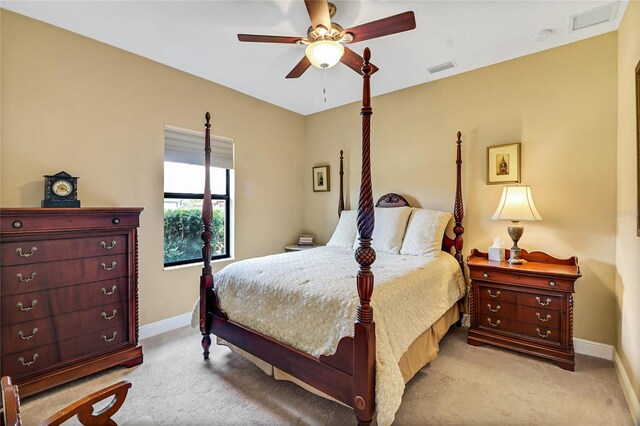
199 37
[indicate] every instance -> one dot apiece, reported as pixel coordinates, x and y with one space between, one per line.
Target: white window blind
187 146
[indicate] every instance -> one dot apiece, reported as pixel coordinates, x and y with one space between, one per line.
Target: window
183 196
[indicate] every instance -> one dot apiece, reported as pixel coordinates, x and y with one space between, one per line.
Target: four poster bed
299 314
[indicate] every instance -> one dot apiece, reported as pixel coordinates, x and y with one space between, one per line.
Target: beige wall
560 104
628 242
71 103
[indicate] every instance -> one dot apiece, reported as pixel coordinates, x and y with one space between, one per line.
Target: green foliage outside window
182 230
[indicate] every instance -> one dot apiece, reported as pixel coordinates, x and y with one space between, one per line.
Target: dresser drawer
537 332
25 307
36 251
29 361
546 300
515 277
99 341
27 335
530 315
41 276
89 320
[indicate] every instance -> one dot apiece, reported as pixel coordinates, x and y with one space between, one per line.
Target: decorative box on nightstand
527 307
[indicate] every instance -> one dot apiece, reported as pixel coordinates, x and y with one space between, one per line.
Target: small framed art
321 179
503 164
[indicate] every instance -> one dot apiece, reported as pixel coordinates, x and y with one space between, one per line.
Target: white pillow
425 232
389 228
346 230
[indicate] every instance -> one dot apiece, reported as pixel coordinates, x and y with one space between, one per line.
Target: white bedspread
308 300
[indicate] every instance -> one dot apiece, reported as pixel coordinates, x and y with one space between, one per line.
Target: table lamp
516 205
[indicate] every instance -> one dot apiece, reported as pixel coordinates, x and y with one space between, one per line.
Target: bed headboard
397 200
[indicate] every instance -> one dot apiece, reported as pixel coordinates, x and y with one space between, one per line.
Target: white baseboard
627 389
162 326
598 350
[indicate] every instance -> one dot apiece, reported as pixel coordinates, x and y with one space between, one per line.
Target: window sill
197 264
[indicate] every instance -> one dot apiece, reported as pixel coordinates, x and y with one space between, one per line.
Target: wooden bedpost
341 195
206 279
364 362
458 209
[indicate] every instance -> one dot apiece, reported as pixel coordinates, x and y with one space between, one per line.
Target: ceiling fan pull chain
324 87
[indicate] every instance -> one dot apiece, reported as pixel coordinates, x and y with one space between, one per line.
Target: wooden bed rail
364 355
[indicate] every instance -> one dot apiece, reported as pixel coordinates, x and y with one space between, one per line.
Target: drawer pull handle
108 268
17 224
493 295
107 247
552 283
25 280
110 339
108 317
107 292
543 303
31 336
544 336
28 363
28 308
493 310
31 253
485 275
543 319
492 324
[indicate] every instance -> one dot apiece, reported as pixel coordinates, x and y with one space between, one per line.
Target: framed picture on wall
638 140
321 179
503 164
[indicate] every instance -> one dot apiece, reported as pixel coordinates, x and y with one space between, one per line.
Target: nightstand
527 307
295 247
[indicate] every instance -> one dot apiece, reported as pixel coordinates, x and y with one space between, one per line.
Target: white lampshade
516 204
324 53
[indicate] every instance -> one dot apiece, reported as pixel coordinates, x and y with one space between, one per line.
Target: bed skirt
423 350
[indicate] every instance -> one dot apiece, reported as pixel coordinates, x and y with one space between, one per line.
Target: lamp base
515 231
514 257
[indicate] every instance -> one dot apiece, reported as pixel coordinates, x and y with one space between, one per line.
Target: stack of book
305 240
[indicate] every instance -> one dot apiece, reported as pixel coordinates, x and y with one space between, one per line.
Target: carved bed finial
341 195
458 209
206 279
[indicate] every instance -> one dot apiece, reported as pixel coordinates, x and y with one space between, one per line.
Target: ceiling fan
325 39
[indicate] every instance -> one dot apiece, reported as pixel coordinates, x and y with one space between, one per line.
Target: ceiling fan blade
300 68
268 38
319 13
393 24
354 61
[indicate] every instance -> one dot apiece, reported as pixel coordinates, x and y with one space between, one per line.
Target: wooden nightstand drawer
29 361
519 278
503 293
520 313
27 335
538 332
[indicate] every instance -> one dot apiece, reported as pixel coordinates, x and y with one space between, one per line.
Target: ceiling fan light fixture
324 53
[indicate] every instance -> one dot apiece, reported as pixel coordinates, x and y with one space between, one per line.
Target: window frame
227 217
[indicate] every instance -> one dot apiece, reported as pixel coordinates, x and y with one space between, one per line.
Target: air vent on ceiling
438 68
595 16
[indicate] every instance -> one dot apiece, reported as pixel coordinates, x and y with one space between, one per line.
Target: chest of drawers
68 293
526 307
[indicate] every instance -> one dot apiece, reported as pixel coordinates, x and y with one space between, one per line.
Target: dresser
526 307
69 293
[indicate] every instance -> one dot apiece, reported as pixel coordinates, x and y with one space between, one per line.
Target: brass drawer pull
108 268
31 336
31 253
25 280
543 303
544 336
110 339
493 310
107 247
107 292
492 295
492 324
28 363
28 308
543 319
552 283
108 317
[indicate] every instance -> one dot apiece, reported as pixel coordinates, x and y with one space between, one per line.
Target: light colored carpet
465 385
